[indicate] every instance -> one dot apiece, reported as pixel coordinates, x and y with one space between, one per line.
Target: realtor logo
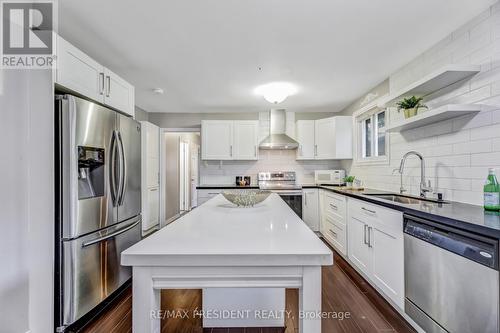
27 30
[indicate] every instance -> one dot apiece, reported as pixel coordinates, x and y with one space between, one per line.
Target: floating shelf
435 115
433 82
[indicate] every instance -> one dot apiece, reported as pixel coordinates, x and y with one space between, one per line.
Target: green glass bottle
491 192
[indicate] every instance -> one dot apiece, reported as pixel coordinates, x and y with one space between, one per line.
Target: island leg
310 300
145 302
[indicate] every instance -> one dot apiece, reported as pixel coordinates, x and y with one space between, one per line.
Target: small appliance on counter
329 177
243 180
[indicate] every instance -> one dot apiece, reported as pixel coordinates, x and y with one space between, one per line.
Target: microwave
329 177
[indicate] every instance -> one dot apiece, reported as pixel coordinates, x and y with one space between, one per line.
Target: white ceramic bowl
245 198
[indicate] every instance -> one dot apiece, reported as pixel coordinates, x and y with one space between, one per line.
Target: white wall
26 201
458 152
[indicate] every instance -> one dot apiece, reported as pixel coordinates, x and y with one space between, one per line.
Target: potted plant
410 106
349 180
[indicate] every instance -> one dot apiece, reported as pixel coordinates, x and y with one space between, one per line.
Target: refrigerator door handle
111 235
114 194
123 172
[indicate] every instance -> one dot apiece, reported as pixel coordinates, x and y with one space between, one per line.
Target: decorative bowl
245 198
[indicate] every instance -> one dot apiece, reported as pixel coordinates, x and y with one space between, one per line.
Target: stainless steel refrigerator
98 175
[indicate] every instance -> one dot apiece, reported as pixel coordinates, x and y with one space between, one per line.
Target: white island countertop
220 234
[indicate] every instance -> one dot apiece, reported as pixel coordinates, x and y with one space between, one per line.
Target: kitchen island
220 246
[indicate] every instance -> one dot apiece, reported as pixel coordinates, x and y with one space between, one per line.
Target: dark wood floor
343 290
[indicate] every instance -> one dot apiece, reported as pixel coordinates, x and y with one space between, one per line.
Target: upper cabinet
80 73
118 93
325 139
246 140
229 140
305 136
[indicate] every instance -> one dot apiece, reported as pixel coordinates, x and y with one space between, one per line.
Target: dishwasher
451 278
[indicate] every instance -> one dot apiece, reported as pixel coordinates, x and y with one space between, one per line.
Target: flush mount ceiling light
276 92
158 91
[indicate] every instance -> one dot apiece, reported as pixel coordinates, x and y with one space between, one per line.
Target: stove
283 183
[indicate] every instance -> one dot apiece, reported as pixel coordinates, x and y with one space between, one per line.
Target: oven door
293 199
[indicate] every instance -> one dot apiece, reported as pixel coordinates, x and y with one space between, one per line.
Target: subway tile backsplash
458 152
224 172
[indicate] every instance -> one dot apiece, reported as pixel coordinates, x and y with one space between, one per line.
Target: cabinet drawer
335 234
335 205
208 193
390 220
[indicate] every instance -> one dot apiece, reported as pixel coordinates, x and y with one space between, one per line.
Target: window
371 137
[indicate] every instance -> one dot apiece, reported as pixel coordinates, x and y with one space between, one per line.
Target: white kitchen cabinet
246 140
324 139
217 139
333 220
118 93
150 175
80 73
203 195
229 140
375 242
333 138
310 208
305 137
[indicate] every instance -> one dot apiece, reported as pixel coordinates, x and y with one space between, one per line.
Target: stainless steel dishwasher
451 278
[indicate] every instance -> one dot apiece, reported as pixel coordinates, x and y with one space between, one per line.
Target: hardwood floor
344 292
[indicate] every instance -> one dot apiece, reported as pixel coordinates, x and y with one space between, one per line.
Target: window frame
359 117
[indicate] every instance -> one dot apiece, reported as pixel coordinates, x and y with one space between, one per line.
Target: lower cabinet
333 220
205 195
310 208
375 246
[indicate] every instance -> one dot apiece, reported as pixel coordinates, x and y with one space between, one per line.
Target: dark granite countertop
460 215
225 187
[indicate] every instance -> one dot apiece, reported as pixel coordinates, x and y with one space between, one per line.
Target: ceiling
209 55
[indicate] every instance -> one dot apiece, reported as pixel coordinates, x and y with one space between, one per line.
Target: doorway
180 151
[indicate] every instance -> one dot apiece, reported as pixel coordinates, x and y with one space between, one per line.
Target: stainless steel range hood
277 138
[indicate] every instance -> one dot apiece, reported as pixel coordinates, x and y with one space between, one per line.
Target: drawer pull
333 206
212 193
368 210
333 233
370 244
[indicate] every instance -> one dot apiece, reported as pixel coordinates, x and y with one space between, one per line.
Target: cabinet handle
153 189
255 150
108 88
231 150
101 83
364 235
305 199
333 233
368 210
315 150
213 193
370 237
333 206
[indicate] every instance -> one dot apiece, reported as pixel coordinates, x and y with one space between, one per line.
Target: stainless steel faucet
424 188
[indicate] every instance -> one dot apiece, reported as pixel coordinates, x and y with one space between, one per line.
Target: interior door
359 252
130 189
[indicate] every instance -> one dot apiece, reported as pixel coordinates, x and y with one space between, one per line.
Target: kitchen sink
404 199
